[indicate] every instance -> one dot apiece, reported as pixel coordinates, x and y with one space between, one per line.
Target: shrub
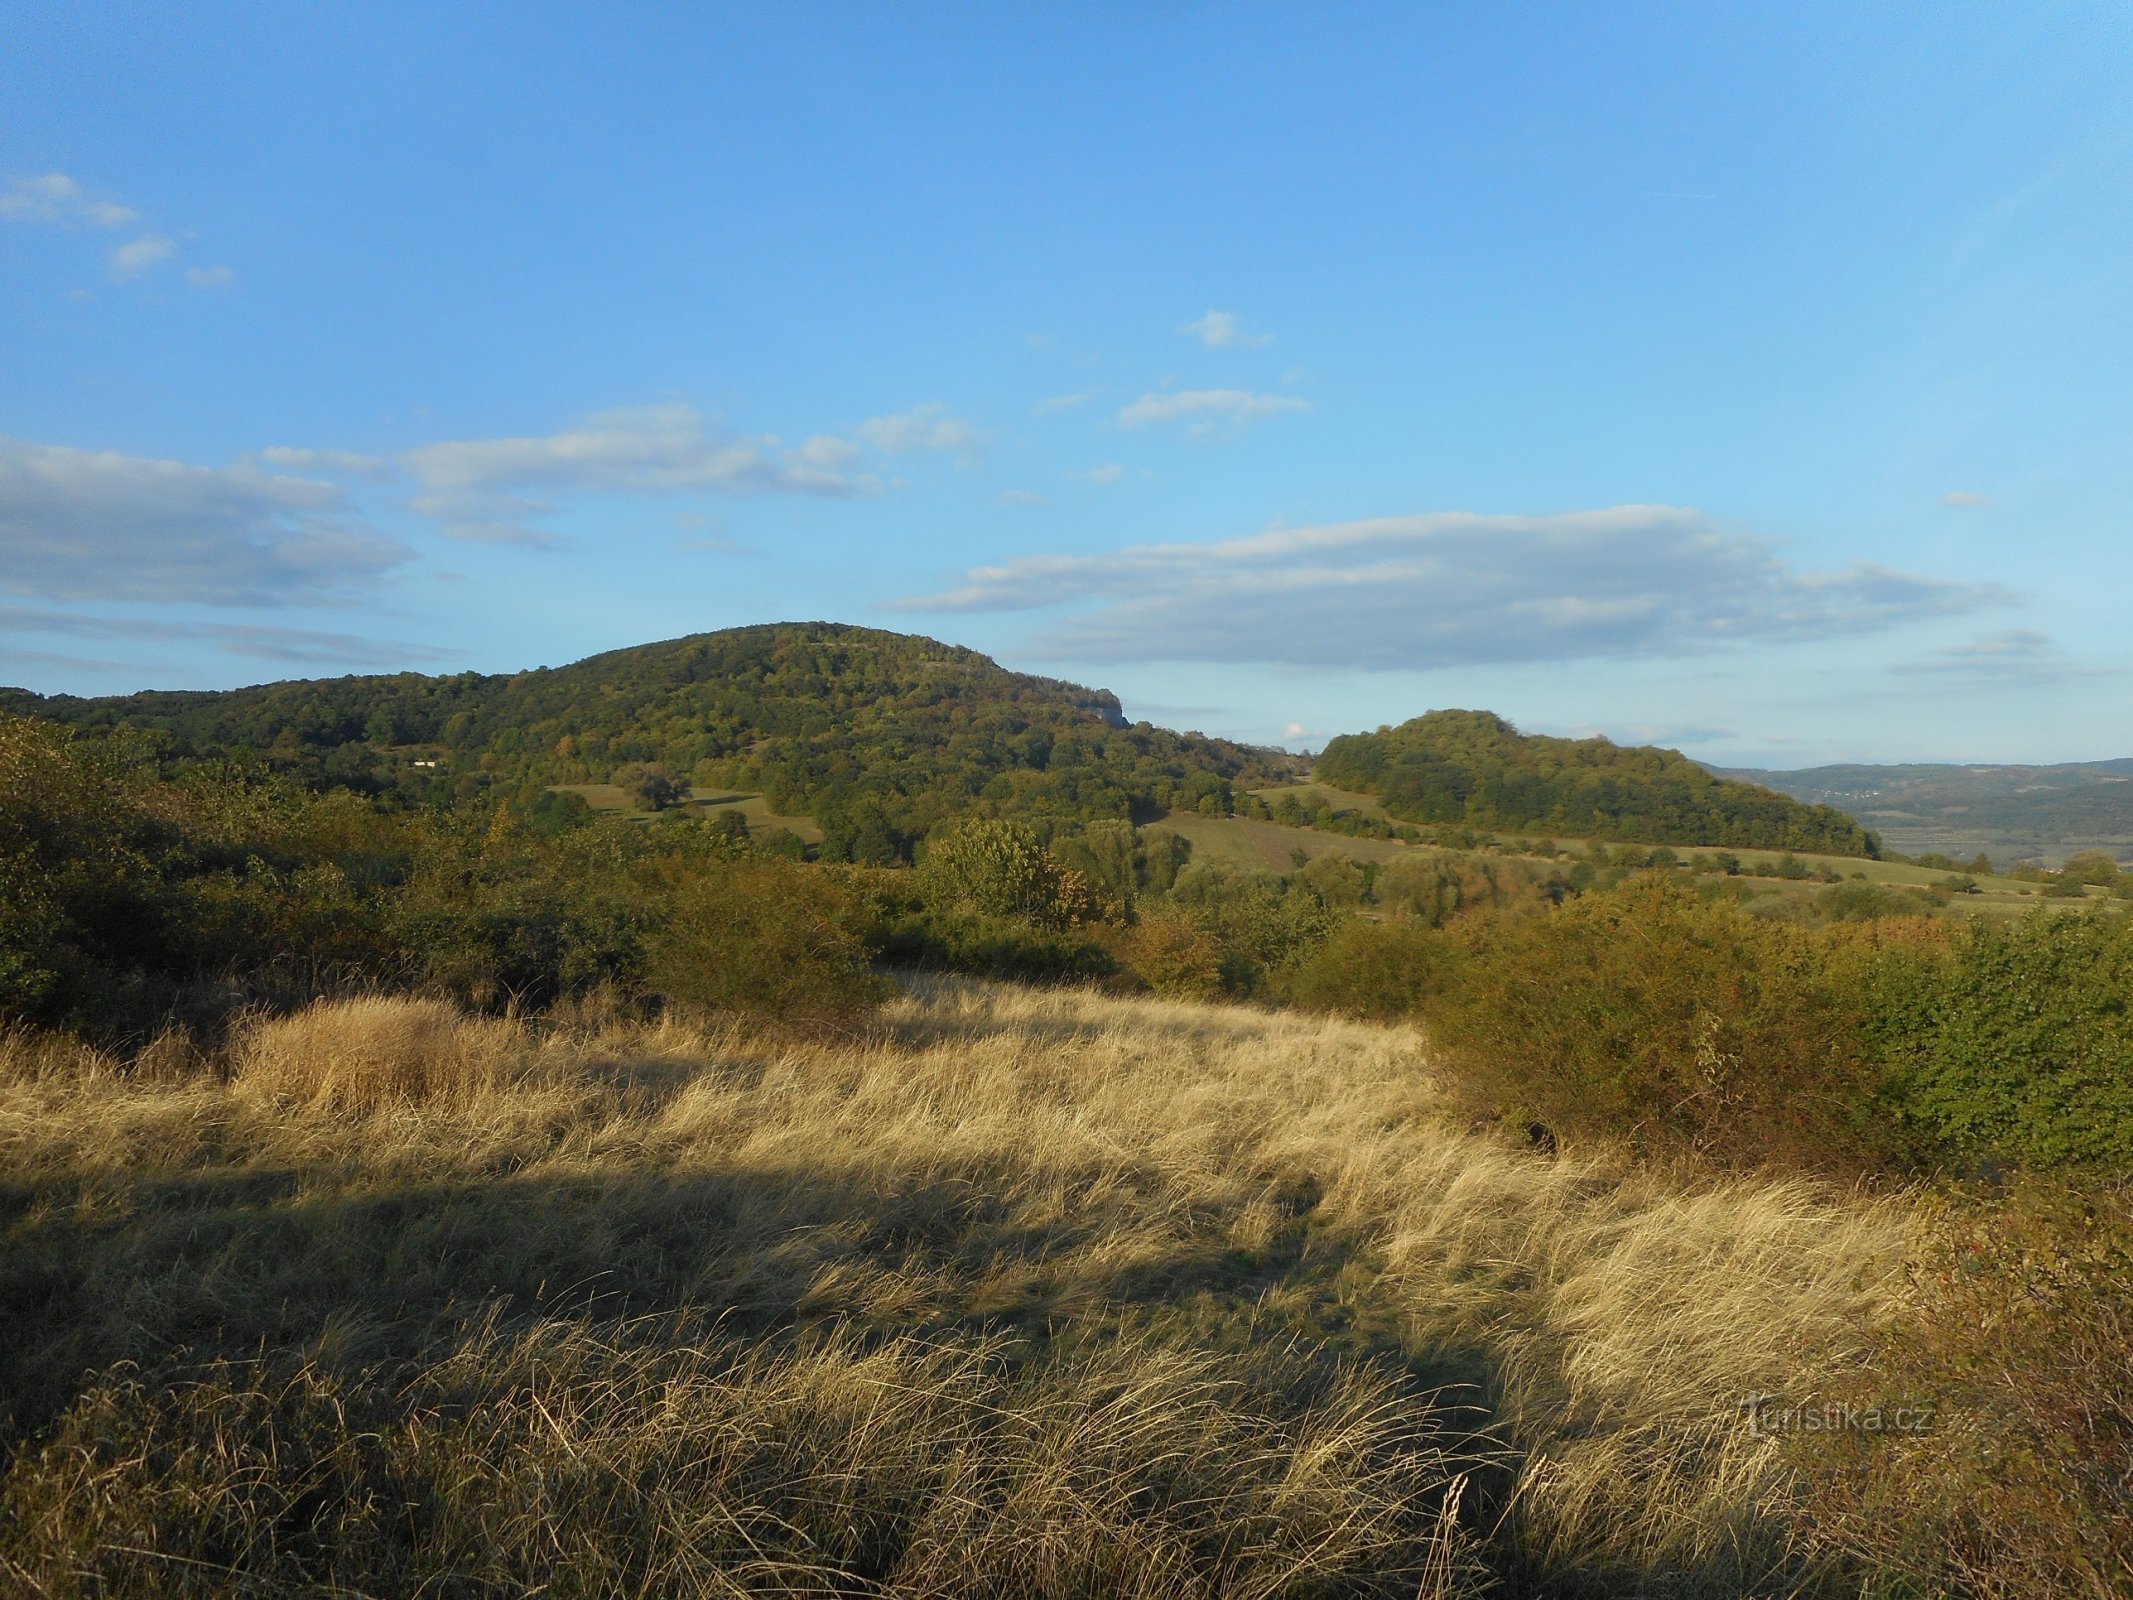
769 940
1863 902
996 947
2020 1049
1377 970
1175 955
989 868
1683 1028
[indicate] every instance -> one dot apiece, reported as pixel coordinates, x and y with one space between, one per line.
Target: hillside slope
1474 768
876 735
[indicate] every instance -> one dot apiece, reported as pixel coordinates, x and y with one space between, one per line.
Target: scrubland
1012 1292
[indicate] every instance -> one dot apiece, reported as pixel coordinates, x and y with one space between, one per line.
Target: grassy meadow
1013 1292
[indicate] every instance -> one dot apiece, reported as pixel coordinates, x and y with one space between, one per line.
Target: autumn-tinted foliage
878 736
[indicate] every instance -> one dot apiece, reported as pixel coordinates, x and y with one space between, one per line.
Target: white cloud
472 486
1021 497
1296 730
56 199
1965 500
1452 589
1221 330
340 463
928 427
825 452
1102 477
1067 402
1204 411
95 525
210 277
143 255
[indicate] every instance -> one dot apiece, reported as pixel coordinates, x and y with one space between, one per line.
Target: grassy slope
1032 1293
1269 846
609 799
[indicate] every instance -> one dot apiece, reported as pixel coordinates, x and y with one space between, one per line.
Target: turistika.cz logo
1773 1414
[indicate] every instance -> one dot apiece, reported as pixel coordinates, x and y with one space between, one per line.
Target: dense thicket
1474 768
877 736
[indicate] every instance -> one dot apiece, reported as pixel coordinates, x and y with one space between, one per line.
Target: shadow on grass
180 1272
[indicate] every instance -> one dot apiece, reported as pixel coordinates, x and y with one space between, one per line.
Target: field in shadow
1026 1294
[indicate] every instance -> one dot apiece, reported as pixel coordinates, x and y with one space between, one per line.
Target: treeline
1475 769
877 736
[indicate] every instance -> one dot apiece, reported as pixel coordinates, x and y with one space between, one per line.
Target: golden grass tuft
373 1052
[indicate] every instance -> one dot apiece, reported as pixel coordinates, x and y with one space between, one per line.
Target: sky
1751 379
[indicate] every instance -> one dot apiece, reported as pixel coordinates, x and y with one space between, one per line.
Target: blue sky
1754 379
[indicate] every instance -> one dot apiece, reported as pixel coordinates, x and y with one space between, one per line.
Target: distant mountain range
2008 812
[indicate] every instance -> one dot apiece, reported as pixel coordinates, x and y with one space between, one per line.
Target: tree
649 785
992 868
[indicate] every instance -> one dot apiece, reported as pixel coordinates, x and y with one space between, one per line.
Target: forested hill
1474 768
876 735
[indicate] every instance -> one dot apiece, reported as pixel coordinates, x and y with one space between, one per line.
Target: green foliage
1472 768
1648 1016
648 785
996 947
877 736
990 868
1176 955
2091 866
1381 971
1262 924
2020 1049
771 941
1863 902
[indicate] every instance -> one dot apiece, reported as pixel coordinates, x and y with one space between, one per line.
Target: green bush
988 868
995 947
1377 970
770 941
1682 1028
2020 1049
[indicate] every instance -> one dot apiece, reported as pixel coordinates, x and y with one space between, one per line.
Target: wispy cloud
2009 656
334 463
57 200
1021 497
95 525
1965 500
53 199
1103 476
928 427
1205 411
476 488
1067 402
141 256
1223 330
1452 589
295 646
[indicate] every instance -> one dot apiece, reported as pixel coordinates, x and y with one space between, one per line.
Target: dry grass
375 1052
1029 1293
